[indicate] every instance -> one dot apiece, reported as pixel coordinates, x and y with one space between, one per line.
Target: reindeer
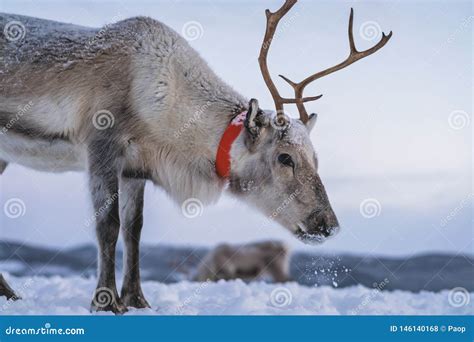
113 103
247 262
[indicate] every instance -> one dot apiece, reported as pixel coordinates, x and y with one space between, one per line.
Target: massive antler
354 55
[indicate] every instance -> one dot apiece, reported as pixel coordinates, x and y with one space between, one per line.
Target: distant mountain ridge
169 264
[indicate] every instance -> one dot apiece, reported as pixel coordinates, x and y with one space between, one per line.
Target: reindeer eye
285 159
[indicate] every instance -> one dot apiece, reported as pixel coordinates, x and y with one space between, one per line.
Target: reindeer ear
255 121
255 118
251 117
311 121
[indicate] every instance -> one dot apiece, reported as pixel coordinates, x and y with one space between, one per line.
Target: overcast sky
394 130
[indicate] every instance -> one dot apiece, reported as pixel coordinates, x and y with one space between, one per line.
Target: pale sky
395 127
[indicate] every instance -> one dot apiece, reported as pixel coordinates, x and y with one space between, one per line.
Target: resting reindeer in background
246 262
115 102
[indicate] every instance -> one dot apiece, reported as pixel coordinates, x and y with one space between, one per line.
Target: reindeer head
279 171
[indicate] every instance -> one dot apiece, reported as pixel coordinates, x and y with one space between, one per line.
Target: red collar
225 145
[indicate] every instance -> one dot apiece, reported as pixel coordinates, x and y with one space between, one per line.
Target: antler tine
273 18
272 22
354 56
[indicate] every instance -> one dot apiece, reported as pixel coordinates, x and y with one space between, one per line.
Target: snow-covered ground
72 295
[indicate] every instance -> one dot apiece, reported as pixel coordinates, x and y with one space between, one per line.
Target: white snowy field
72 296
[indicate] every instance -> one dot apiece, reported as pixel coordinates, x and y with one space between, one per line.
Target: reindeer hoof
135 301
13 296
106 299
116 308
6 290
10 295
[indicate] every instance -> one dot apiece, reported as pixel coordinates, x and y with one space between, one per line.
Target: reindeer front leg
131 219
103 173
5 289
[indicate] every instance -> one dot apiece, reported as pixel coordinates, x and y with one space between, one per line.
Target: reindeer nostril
320 223
318 226
326 231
